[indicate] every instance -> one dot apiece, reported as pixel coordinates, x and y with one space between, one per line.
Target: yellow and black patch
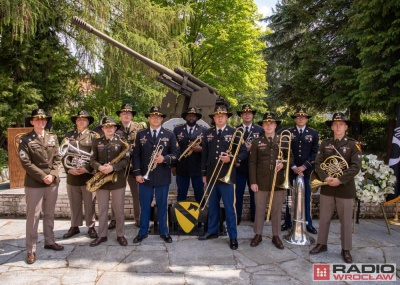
187 214
358 145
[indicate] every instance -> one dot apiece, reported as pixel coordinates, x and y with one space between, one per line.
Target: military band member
127 132
242 171
189 168
340 192
216 142
105 149
263 155
77 177
41 159
159 179
304 147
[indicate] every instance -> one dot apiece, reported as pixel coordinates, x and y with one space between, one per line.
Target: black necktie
154 135
269 140
301 132
219 133
247 130
190 132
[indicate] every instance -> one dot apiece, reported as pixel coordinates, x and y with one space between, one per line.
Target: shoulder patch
311 129
210 128
142 130
97 136
180 125
291 128
358 145
168 130
203 126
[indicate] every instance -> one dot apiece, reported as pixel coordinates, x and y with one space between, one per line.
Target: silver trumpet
73 157
159 149
296 202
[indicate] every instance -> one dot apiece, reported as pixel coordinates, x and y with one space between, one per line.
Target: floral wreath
375 180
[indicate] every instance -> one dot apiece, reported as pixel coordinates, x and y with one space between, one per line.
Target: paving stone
16 240
195 252
101 257
145 262
8 252
243 259
140 278
218 277
14 228
222 267
332 255
151 247
377 232
299 269
183 269
392 255
270 267
367 255
4 268
79 276
245 232
45 258
266 252
34 277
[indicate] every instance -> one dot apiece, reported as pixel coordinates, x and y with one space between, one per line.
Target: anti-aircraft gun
193 92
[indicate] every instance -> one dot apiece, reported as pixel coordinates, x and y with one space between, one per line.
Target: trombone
159 149
239 133
286 134
189 150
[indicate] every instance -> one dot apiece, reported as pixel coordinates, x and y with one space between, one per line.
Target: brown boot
92 232
71 232
319 248
256 240
347 256
277 241
30 258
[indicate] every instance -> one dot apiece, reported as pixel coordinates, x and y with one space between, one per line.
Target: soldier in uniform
242 171
340 192
304 148
105 149
189 168
262 162
127 132
159 179
216 143
77 177
40 157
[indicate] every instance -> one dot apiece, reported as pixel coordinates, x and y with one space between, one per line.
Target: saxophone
99 179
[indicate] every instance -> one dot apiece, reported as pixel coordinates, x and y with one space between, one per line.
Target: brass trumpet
189 150
286 184
239 133
159 149
249 139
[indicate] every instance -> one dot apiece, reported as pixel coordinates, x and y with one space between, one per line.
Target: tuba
73 157
333 166
99 179
298 235
239 133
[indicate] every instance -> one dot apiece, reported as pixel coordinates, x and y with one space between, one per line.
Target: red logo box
321 272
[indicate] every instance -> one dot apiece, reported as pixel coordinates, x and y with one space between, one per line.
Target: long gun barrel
178 80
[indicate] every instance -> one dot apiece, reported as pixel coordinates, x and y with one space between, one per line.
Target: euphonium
333 166
99 179
73 157
189 150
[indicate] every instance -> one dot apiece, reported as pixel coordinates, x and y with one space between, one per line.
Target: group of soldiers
156 147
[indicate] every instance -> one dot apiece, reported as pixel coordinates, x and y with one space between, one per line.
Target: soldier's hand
159 159
173 170
332 181
140 179
197 148
108 169
237 164
48 179
73 171
225 158
248 146
301 168
205 179
254 187
279 166
81 170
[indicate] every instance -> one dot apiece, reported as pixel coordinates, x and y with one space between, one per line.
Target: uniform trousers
133 185
242 179
76 194
38 199
262 202
227 193
344 207
117 203
288 218
146 194
183 187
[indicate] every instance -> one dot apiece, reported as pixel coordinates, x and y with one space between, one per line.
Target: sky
265 8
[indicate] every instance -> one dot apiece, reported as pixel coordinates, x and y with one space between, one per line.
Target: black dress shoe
311 230
208 236
233 244
112 224
167 238
139 238
285 227
239 220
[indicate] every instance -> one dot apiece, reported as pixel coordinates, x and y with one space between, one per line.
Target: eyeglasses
155 117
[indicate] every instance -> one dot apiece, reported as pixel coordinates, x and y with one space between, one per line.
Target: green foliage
3 159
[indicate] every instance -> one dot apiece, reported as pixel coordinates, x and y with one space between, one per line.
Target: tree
224 48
